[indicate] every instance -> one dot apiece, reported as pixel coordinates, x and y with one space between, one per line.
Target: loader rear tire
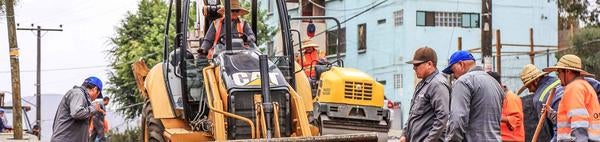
153 127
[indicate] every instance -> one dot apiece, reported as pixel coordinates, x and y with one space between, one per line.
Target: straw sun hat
308 43
530 73
235 5
569 62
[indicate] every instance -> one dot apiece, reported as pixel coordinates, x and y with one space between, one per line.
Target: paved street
7 137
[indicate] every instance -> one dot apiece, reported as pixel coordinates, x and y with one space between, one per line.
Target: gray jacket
429 110
476 108
72 119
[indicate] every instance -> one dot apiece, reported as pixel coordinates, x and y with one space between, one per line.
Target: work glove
550 114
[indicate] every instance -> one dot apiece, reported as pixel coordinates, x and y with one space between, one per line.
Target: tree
571 12
140 35
264 31
586 45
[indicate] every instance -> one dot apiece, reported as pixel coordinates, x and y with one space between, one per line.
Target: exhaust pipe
266 93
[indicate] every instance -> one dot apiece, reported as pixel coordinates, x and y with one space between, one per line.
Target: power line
349 9
61 69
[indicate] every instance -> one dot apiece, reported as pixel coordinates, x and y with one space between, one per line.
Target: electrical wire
352 17
61 69
351 9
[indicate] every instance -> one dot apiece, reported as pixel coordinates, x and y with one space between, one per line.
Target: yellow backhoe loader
238 94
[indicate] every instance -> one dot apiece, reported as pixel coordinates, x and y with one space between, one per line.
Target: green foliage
586 45
140 35
264 31
575 11
129 135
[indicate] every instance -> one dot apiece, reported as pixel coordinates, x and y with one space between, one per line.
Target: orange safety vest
217 24
309 61
512 109
579 108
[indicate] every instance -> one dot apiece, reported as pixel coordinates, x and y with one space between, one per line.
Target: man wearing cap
578 115
430 105
239 27
311 56
72 118
476 101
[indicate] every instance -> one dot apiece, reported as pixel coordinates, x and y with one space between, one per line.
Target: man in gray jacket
72 119
430 105
476 102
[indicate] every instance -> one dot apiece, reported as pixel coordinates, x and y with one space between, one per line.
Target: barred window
448 19
399 17
398 81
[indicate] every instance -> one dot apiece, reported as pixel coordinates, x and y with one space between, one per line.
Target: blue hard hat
457 57
96 82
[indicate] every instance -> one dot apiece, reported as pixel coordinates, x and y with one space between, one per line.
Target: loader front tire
153 128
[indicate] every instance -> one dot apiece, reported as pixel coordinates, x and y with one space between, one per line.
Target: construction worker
239 28
72 118
4 127
476 101
311 56
540 84
578 115
512 127
99 124
430 105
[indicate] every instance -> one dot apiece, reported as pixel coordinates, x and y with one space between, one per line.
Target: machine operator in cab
217 27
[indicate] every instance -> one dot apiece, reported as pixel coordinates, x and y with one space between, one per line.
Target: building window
362 38
381 21
397 80
470 20
269 6
399 17
382 82
425 18
447 19
332 36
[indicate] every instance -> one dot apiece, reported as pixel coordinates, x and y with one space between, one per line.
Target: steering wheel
240 35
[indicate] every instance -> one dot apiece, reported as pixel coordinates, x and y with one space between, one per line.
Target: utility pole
38 74
14 70
486 34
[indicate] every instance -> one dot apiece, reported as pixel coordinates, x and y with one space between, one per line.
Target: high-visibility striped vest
578 109
547 90
217 25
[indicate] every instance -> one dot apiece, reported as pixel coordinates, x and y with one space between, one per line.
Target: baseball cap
457 57
424 54
97 82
